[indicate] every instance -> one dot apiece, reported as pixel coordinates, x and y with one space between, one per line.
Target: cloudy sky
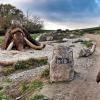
64 14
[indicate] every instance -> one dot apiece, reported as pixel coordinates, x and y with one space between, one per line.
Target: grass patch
8 70
24 86
1 39
23 65
28 86
3 96
7 80
31 63
36 84
88 44
37 96
45 73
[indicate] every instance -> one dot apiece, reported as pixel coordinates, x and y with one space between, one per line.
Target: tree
33 24
9 14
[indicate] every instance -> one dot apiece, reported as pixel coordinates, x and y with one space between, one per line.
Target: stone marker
61 66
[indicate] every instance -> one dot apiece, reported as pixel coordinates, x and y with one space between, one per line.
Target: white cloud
71 25
17 3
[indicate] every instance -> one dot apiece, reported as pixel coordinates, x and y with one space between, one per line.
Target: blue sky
72 14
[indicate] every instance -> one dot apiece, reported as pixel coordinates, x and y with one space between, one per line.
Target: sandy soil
84 86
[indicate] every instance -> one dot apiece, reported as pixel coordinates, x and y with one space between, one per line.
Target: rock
65 39
61 66
85 52
49 38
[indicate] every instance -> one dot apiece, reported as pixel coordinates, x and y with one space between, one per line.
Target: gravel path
14 56
84 86
25 75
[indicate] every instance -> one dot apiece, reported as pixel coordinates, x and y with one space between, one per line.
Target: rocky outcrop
57 36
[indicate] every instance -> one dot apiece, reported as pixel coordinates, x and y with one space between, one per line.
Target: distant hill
89 30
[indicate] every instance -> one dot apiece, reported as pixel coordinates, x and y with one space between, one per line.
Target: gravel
25 75
80 64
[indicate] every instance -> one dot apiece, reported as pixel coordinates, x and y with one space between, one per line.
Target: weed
30 64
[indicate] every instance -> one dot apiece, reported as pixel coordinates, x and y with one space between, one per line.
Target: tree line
10 14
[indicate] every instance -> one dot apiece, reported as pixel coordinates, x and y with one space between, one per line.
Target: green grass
37 96
31 87
24 86
31 63
23 65
3 86
45 73
88 44
8 70
36 84
1 39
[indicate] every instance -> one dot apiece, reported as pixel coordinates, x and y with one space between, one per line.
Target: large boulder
61 66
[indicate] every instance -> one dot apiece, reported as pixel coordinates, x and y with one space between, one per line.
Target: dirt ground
84 86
